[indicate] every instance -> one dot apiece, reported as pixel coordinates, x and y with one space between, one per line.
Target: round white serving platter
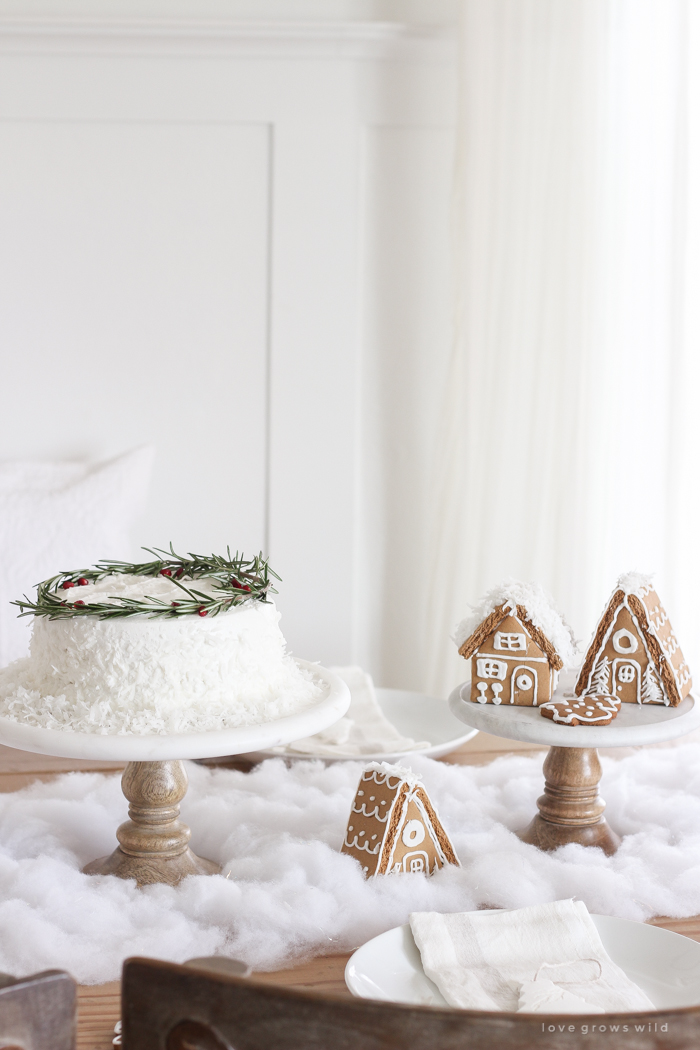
414 715
636 724
665 965
157 747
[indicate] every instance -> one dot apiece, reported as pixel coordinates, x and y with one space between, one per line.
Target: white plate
155 747
635 724
664 964
414 715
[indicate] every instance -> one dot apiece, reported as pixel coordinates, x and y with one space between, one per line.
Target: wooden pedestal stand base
153 843
571 808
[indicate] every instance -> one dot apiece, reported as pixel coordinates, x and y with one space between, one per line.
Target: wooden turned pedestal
153 843
571 810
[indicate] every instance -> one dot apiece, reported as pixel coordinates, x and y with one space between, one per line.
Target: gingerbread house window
512 641
492 668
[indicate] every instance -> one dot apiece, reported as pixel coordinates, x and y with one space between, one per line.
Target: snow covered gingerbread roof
536 611
635 602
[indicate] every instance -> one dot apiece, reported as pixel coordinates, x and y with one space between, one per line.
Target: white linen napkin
363 731
481 960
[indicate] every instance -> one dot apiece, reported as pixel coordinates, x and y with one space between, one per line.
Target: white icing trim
505 656
590 688
362 811
400 866
364 847
413 833
638 676
520 636
513 683
412 796
500 666
617 638
380 772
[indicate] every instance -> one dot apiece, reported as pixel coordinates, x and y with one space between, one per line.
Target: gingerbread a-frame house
393 826
634 654
517 643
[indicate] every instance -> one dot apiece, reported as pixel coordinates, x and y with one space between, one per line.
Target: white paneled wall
135 309
407 339
230 240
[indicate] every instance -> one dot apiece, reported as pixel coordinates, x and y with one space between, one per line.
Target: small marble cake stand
571 810
153 843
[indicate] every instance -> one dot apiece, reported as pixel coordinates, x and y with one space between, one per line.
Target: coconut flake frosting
142 674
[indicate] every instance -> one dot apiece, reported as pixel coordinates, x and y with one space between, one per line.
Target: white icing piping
361 846
661 617
623 605
375 813
380 772
412 796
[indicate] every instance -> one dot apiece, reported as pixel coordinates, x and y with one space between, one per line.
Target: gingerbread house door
523 686
626 681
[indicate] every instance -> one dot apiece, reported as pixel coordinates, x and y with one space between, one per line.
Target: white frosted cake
165 673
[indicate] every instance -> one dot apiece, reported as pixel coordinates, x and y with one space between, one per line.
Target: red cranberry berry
82 582
76 604
175 603
67 584
202 611
179 573
247 588
165 572
235 583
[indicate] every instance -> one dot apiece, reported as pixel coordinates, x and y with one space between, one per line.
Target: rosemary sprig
238 580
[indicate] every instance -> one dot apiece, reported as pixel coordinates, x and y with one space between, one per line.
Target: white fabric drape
570 446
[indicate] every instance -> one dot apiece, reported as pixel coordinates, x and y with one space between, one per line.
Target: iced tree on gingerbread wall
651 691
601 677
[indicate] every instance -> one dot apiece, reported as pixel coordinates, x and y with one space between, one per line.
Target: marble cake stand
571 810
153 843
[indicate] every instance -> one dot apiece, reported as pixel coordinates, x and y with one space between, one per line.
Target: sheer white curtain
570 449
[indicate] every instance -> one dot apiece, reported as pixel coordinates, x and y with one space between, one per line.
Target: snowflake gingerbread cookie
393 826
582 711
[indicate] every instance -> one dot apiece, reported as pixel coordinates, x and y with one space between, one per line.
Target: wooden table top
99 1006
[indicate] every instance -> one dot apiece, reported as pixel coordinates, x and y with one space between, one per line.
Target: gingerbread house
517 643
393 826
634 655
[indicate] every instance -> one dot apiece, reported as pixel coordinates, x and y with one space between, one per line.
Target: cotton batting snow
142 674
290 894
540 609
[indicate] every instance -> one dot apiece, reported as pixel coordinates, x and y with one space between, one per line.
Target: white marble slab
156 747
636 724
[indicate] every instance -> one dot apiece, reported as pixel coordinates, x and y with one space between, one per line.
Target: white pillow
62 516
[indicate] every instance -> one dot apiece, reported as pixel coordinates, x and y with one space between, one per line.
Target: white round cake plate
636 724
665 965
413 715
156 747
153 843
570 810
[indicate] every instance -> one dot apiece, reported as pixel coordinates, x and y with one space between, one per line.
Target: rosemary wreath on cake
237 580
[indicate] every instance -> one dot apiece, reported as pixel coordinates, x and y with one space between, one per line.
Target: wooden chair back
170 1007
38 1012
